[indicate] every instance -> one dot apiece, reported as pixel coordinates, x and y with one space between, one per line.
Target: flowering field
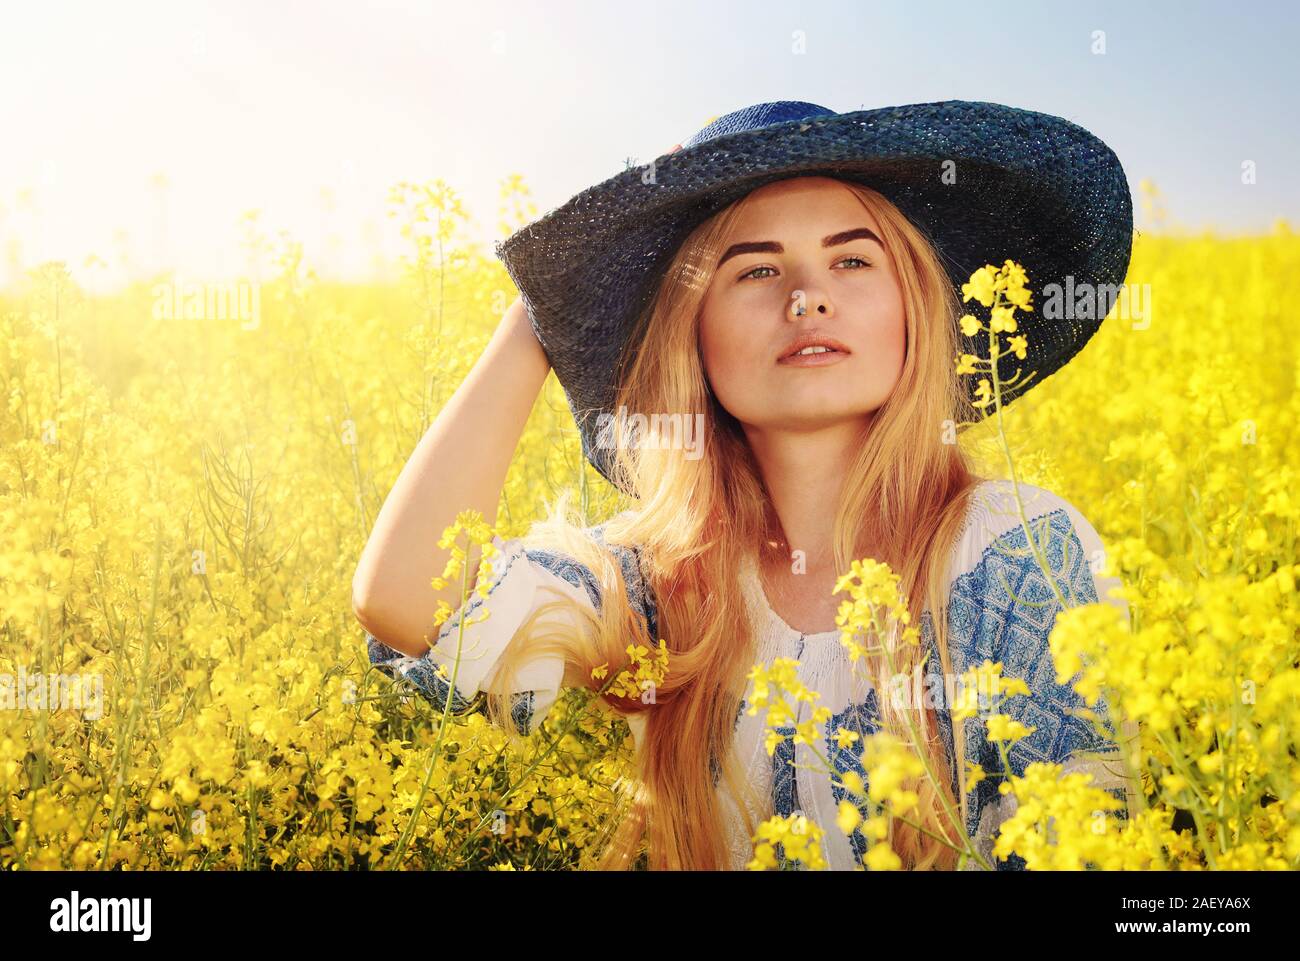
183 498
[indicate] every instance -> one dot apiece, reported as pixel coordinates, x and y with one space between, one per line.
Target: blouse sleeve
523 579
1002 608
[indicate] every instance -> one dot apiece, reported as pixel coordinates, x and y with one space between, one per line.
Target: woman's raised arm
459 464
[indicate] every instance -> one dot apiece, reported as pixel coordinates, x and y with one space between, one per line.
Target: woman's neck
804 474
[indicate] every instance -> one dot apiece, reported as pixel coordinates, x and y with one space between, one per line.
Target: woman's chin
809 417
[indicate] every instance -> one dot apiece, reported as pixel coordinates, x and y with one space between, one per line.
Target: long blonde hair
694 519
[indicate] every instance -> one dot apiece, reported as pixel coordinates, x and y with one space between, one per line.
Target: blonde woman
778 299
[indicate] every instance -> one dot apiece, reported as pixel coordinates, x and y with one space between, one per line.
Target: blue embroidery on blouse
864 719
521 710
422 671
1021 625
785 786
422 674
1004 610
991 615
639 594
576 573
785 778
785 792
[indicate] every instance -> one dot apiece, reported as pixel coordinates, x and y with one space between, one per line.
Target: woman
755 284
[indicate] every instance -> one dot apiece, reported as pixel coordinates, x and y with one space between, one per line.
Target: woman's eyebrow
775 247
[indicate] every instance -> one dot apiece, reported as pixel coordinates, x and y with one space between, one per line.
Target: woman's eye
748 275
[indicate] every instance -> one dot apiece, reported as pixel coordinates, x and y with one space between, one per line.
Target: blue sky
245 105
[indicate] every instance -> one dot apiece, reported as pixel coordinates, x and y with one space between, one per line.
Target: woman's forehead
800 205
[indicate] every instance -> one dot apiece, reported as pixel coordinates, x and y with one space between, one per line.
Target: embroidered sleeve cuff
511 596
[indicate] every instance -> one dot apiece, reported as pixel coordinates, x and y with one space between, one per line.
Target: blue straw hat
1029 187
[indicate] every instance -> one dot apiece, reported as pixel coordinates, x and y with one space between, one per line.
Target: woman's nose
804 301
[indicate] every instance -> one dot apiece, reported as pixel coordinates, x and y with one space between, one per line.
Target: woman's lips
824 359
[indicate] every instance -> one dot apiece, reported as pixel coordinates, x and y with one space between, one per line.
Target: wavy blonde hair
906 496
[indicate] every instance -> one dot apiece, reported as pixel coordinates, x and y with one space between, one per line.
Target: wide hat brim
1029 187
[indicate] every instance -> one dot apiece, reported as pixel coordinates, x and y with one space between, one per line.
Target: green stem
446 717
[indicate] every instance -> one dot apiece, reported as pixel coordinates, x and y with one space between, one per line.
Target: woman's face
803 242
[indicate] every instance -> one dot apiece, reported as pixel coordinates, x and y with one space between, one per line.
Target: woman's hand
518 328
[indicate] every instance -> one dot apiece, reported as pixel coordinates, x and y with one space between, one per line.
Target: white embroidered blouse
1000 608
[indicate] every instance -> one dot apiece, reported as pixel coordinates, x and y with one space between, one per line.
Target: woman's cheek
730 375
894 354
